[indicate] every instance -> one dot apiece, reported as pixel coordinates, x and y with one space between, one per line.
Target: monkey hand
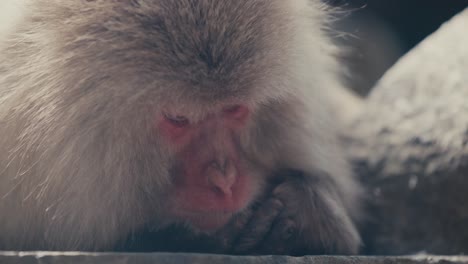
301 215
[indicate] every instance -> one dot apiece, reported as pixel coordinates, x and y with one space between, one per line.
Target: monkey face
212 179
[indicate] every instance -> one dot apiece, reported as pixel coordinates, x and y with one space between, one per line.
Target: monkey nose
222 176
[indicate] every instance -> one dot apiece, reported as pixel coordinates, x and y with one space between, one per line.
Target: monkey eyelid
176 120
232 108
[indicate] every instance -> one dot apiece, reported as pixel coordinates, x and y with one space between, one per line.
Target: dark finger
259 226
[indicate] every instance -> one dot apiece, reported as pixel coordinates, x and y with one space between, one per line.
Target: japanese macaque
217 116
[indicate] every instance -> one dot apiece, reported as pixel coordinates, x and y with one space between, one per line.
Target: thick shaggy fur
81 81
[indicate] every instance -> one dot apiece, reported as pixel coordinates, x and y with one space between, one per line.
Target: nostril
239 112
221 185
222 191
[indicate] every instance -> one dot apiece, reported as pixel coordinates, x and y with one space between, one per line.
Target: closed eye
177 120
239 112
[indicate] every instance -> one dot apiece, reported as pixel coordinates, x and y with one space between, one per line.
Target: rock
410 146
166 258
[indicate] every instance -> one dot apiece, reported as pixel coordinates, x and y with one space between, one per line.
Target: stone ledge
167 258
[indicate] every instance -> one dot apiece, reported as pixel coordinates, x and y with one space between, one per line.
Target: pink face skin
213 182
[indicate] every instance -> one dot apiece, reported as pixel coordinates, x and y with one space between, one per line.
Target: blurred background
378 32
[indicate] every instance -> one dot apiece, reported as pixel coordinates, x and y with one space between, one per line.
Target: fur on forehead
217 49
194 54
213 49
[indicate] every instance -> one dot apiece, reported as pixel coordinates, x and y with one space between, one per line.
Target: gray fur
81 81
